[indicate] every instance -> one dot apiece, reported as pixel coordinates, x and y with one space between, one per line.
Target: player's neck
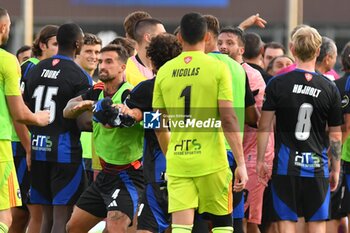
112 87
66 53
307 66
141 53
200 46
321 69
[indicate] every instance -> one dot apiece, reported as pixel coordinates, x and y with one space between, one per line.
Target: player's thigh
153 210
315 193
183 194
82 220
67 183
40 183
215 192
10 195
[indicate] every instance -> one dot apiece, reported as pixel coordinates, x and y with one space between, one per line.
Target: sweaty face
110 67
88 57
271 53
228 44
279 64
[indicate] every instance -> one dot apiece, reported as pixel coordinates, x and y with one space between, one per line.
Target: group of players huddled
132 146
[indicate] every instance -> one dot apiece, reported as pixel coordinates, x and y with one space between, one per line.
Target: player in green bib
115 192
194 90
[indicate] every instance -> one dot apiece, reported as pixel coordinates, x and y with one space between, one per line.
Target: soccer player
88 60
304 103
138 67
57 175
44 46
12 108
23 53
195 87
115 192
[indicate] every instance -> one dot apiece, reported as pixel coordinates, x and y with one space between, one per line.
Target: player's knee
72 227
117 221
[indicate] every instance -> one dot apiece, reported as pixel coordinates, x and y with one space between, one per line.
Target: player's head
89 52
112 63
163 48
306 43
271 50
70 38
253 45
193 28
24 53
5 23
345 57
213 33
131 20
278 63
231 41
128 44
328 54
147 28
45 44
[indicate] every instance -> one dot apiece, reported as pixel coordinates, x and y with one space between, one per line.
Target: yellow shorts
10 195
210 193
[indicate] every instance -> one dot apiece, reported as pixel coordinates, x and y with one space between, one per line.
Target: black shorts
56 183
153 212
336 199
111 192
23 179
345 202
295 196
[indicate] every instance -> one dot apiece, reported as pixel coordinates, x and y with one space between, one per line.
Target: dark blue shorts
56 183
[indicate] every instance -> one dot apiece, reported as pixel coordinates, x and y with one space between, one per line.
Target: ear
179 37
123 67
42 46
318 52
208 36
147 37
241 50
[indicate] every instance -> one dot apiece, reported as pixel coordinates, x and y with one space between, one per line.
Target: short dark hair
274 45
3 12
131 19
193 27
43 37
213 24
163 48
67 35
91 39
345 57
122 53
327 47
144 26
236 31
128 44
270 65
253 45
23 49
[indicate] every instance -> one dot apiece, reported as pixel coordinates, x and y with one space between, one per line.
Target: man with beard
115 192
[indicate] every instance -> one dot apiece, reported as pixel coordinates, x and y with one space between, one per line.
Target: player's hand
262 171
253 20
241 178
333 180
43 118
83 105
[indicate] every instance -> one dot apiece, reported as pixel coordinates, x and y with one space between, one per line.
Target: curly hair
163 48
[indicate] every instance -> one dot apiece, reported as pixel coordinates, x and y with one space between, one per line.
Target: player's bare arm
229 123
77 106
335 138
263 139
21 113
163 134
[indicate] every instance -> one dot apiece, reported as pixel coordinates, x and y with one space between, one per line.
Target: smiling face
228 43
88 57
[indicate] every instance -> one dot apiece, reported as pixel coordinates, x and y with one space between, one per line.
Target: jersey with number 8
189 88
50 85
303 107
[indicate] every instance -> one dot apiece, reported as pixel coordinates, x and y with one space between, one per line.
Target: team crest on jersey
55 62
187 59
308 77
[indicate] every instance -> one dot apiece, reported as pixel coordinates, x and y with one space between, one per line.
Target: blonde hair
306 42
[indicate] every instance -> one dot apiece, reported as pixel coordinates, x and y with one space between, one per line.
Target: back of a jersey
304 103
51 84
189 88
